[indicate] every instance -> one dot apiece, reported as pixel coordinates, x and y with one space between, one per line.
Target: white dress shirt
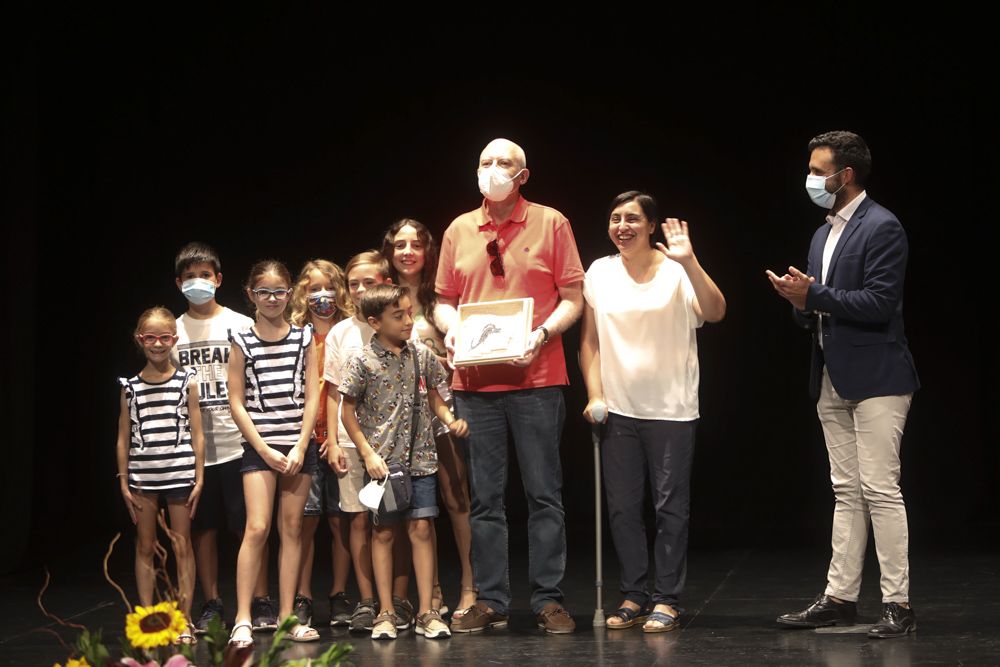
837 222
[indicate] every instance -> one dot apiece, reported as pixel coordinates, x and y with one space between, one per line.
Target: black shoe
341 609
211 609
303 609
823 611
363 618
896 621
404 613
263 614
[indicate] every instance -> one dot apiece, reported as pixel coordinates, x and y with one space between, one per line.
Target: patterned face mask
322 304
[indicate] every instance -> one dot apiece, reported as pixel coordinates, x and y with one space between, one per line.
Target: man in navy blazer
862 375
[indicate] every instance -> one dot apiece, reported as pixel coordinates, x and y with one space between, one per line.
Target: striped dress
275 383
160 456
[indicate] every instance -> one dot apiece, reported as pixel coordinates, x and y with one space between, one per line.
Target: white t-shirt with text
203 345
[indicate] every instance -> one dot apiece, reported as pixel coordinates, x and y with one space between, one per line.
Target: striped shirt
160 456
274 372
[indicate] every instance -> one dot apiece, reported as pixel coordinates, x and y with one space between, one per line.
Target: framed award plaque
492 332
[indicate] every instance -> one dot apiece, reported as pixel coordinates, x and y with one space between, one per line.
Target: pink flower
176 661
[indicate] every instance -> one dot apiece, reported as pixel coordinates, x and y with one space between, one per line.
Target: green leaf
333 655
90 645
280 641
217 639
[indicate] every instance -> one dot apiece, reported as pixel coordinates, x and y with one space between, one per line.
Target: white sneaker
430 625
385 626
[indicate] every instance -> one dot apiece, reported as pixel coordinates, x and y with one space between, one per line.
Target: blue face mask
198 290
816 187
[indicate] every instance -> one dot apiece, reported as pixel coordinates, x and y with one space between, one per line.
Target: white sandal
241 643
462 611
186 638
303 633
438 596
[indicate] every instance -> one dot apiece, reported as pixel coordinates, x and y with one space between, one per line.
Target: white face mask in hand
371 495
495 184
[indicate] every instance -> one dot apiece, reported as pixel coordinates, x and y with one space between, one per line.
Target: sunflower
82 662
159 625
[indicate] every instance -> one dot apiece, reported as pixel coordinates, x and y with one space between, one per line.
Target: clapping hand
793 286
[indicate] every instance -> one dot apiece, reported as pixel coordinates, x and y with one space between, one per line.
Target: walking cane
599 412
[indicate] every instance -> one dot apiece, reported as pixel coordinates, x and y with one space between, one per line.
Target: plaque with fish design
492 332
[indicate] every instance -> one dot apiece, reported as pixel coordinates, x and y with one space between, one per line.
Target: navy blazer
864 347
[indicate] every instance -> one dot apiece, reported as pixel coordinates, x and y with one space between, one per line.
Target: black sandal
627 616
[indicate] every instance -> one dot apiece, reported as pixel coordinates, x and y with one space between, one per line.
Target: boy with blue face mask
203 345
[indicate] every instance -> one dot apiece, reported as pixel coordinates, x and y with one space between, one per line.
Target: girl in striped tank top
273 397
161 454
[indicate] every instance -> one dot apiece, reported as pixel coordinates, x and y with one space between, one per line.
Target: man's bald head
503 149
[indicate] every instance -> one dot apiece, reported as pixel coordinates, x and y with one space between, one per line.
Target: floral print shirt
382 383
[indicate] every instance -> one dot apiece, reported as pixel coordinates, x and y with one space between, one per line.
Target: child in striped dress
273 397
161 455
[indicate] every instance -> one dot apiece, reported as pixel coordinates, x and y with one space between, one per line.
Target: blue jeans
534 417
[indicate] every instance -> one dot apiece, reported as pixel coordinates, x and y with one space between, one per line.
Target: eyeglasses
264 293
150 339
496 265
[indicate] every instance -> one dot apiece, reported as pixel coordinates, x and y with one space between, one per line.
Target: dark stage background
272 135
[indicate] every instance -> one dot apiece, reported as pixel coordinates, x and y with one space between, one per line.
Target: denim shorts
324 492
253 462
423 503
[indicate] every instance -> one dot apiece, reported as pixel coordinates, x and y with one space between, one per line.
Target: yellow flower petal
150 627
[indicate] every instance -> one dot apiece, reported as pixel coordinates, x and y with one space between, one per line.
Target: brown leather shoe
479 617
555 620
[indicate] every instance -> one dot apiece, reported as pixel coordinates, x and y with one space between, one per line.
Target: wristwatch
545 333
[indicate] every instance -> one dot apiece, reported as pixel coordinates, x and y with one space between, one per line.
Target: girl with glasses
273 397
161 456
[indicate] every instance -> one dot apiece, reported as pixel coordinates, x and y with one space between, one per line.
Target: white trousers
863 439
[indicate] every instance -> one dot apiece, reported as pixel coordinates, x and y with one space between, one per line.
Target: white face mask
371 495
495 184
816 187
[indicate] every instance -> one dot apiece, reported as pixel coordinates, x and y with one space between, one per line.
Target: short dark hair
646 203
849 150
196 253
379 297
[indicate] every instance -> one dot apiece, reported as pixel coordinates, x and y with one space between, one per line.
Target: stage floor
731 601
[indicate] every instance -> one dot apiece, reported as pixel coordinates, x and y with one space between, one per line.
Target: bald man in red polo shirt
511 248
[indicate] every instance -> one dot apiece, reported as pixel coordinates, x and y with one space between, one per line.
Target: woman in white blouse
639 355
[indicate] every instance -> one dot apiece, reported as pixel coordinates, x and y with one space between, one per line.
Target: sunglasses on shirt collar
496 264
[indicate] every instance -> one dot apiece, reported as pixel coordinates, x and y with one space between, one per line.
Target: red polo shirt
539 256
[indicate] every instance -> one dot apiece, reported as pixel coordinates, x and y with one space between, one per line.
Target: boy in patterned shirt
378 395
